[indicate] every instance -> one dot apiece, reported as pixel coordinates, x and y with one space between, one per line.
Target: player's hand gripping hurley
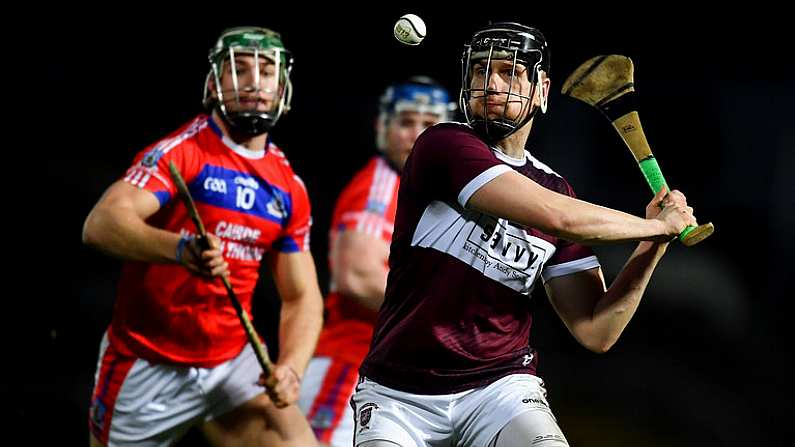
259 349
607 83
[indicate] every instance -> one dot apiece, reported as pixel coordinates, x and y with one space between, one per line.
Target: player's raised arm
515 197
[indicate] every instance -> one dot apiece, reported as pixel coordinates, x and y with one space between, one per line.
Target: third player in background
359 239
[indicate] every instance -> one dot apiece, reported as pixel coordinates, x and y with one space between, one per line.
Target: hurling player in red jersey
361 231
175 354
479 220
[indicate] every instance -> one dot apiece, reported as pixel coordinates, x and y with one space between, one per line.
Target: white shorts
469 419
326 391
145 404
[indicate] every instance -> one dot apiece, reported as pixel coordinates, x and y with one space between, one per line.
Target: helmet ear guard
543 94
519 44
261 43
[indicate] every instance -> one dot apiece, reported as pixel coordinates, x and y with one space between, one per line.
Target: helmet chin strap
245 124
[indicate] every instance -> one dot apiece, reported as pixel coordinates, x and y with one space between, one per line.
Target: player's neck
256 143
251 143
513 146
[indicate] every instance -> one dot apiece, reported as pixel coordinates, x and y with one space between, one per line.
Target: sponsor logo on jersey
238 241
151 158
237 232
247 182
510 245
527 359
499 249
276 208
215 185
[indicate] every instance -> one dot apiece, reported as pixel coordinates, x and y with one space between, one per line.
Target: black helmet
519 44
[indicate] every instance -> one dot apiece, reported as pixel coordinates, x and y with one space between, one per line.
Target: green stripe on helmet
246 39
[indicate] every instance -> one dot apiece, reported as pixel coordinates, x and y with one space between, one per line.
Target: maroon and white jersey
457 310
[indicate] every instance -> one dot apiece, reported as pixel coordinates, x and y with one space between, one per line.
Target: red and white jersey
457 313
366 205
252 200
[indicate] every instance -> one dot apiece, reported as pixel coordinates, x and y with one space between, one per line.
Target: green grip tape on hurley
651 170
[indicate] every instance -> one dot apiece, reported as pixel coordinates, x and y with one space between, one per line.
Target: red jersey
252 200
367 205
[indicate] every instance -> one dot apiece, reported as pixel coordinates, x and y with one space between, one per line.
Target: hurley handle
690 235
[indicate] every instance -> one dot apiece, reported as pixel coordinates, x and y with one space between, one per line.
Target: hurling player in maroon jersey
479 220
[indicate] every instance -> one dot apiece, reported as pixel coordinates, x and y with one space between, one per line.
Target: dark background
707 359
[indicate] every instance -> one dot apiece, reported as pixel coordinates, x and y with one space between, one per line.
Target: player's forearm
515 197
584 222
618 304
301 321
366 286
123 234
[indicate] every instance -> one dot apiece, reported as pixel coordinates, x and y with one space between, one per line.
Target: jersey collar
510 160
237 148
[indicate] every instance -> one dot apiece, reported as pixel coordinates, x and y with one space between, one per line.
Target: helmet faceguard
418 94
518 44
263 45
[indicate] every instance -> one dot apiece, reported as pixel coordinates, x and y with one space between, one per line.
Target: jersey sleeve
150 168
352 207
295 236
570 257
365 201
450 162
